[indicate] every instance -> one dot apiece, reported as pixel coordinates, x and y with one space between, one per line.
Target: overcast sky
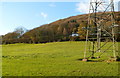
31 14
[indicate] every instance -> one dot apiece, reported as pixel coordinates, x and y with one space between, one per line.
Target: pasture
53 59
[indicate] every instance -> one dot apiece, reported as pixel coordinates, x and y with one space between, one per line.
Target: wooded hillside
60 30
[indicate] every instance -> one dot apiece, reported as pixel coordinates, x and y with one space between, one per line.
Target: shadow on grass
100 60
91 60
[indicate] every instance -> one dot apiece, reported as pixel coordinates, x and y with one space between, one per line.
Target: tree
59 30
65 33
20 30
1 36
81 30
10 38
75 30
59 34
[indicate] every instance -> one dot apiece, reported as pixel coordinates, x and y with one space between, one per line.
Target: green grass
53 59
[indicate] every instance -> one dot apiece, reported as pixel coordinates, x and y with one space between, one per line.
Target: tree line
60 30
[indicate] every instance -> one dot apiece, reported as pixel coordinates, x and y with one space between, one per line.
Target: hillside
60 30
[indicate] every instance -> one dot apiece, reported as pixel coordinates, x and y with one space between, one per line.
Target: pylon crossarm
101 24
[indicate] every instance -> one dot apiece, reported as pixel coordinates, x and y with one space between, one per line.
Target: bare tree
20 30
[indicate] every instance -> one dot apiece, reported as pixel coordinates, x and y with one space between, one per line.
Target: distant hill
60 30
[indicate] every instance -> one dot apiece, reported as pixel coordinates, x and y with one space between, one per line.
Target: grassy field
53 59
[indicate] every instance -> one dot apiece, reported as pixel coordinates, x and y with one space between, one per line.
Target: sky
34 14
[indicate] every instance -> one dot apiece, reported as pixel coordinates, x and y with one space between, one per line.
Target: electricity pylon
101 29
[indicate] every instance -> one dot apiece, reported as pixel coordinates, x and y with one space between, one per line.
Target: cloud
117 0
52 5
82 7
43 14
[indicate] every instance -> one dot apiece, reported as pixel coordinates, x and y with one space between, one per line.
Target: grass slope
52 59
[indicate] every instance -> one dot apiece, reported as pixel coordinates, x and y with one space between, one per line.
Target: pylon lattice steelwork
101 29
